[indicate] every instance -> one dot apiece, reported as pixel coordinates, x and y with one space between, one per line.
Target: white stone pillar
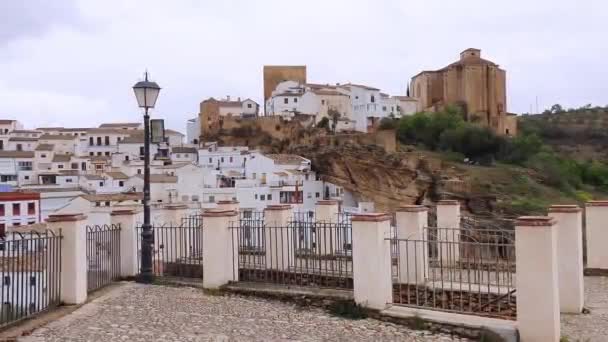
448 231
373 286
279 237
570 270
596 213
220 248
129 251
73 256
228 205
412 245
327 241
537 287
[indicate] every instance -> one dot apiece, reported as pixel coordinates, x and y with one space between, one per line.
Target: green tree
334 115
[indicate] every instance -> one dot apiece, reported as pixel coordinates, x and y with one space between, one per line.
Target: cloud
81 58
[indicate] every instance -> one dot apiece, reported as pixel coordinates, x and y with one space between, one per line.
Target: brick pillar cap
412 208
124 212
535 221
278 207
327 202
371 217
565 208
447 202
66 217
176 206
598 203
218 213
228 202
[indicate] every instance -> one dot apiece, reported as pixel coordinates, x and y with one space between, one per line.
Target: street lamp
146 93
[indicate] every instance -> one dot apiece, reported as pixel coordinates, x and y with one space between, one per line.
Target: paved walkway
594 326
135 312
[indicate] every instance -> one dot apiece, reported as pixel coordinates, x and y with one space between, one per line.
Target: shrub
323 123
387 123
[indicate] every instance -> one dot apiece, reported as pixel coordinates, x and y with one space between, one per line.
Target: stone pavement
594 326
135 312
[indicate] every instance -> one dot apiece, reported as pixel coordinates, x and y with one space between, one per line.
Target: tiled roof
170 131
133 139
130 196
405 98
16 154
118 124
117 175
68 172
328 92
22 139
231 103
289 94
61 158
45 147
25 131
291 159
6 122
100 159
172 166
160 178
348 85
93 177
183 149
57 137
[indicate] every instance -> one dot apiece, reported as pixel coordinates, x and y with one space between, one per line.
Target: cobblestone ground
594 326
135 312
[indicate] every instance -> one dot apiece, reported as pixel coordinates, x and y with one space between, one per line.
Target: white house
193 131
18 209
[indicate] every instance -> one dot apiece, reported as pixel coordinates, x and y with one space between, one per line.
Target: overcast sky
72 63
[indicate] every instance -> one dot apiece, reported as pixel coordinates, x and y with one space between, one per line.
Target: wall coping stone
371 217
535 221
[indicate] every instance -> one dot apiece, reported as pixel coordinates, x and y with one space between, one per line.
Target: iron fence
451 269
103 255
177 249
30 269
302 253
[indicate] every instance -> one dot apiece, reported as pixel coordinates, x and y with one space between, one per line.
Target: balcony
290 182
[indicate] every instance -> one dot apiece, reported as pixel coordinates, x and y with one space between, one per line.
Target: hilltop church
475 84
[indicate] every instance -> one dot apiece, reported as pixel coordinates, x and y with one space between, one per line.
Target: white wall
193 130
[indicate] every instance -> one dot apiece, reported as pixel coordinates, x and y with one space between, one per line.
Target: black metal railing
450 269
302 253
103 255
30 271
177 249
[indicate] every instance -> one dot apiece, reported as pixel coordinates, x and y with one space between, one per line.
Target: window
309 195
32 281
7 280
98 141
74 166
99 167
141 151
384 108
43 155
212 199
31 208
269 197
60 166
68 180
306 176
231 159
210 160
83 166
121 183
398 108
1 209
295 100
97 204
322 102
91 153
99 153
317 195
356 97
28 177
262 197
107 204
372 99
91 141
139 171
16 209
108 154
194 198
178 155
222 159
101 184
24 166
16 224
255 196
285 100
127 158
249 105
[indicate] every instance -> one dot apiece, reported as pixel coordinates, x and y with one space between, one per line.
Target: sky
72 63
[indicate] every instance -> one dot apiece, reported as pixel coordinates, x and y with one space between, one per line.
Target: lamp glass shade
146 93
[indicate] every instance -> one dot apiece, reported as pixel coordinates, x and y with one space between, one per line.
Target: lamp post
146 93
